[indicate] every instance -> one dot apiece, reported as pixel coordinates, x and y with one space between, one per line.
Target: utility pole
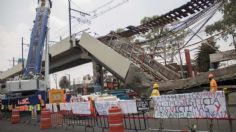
13 59
69 8
22 53
74 10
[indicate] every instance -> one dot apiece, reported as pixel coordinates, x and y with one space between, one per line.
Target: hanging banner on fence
191 105
55 109
82 108
102 107
128 106
142 105
56 95
49 107
62 106
68 106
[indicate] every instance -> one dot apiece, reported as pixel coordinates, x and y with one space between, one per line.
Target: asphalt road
6 126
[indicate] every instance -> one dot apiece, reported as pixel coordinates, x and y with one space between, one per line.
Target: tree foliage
202 57
64 82
228 21
154 32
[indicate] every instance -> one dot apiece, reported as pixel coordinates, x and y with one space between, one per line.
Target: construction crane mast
37 40
30 83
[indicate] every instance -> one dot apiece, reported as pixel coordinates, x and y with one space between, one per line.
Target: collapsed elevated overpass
139 70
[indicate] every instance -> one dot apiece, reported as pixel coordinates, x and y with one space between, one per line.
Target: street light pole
22 55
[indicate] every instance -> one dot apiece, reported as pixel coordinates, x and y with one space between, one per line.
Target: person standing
155 91
213 83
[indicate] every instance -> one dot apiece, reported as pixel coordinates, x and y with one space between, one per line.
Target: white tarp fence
82 108
102 107
49 107
128 106
191 105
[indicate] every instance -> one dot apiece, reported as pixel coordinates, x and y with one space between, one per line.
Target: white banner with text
191 105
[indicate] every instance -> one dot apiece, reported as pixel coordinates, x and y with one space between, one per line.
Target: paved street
6 126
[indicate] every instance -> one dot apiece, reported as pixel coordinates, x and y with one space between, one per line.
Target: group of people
213 86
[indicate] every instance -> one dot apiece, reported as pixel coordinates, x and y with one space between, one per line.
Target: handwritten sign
191 105
82 108
142 105
102 107
128 106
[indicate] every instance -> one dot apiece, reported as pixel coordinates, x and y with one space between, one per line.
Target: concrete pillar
188 62
97 77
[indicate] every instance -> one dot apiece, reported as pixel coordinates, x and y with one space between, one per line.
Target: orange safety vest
213 85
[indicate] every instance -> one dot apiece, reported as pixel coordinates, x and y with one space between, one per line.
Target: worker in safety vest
41 101
213 83
155 91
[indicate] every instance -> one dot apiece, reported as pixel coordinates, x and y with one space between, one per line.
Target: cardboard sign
191 105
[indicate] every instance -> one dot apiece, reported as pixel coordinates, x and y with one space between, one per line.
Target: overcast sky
16 21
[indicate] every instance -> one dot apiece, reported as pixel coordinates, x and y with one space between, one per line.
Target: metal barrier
67 119
72 120
141 121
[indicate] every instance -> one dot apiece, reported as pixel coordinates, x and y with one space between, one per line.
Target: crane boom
38 35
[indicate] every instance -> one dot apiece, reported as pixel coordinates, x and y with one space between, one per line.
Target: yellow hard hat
210 75
155 85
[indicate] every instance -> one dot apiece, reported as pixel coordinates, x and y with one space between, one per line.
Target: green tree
64 82
202 57
154 32
228 22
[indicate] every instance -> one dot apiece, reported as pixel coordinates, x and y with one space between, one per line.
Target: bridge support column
188 62
97 77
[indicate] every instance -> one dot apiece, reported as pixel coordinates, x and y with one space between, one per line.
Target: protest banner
68 106
102 107
55 109
142 105
49 107
128 106
191 105
62 106
82 108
